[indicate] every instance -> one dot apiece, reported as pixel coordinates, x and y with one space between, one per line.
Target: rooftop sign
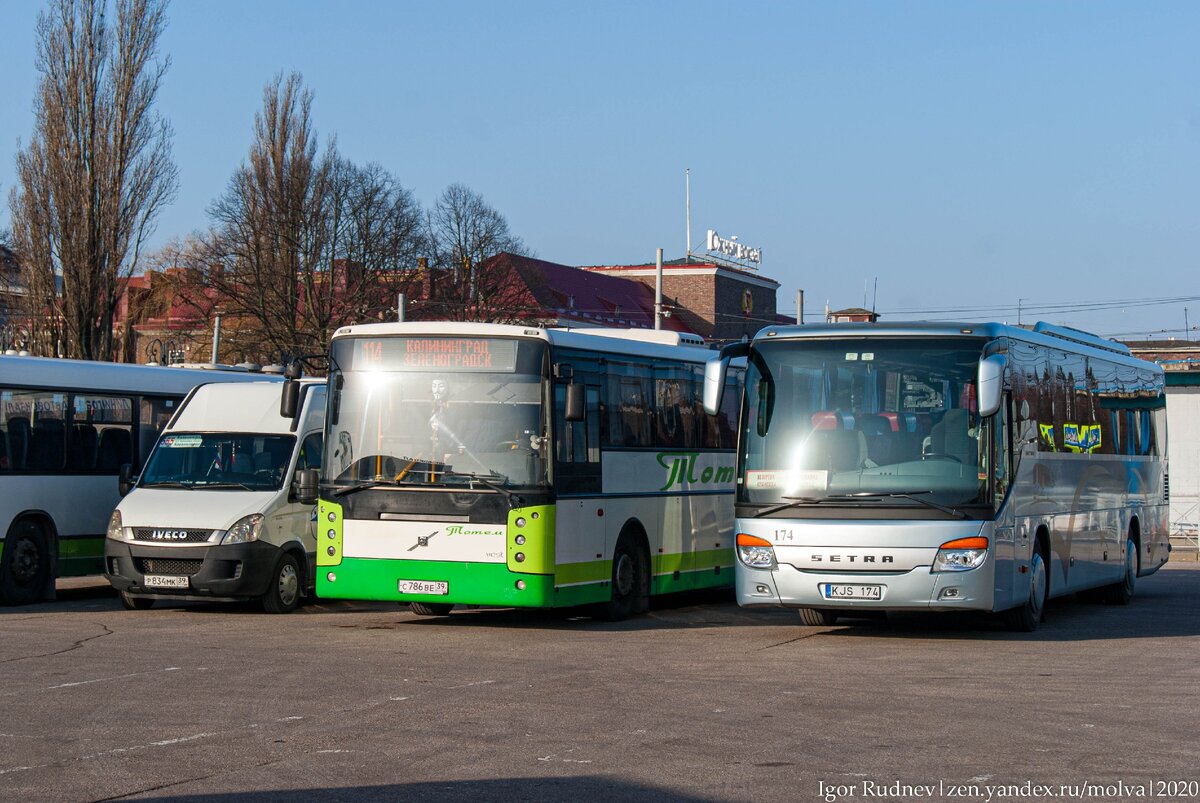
733 249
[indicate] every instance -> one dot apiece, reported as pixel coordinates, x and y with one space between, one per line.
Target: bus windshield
436 411
864 421
219 460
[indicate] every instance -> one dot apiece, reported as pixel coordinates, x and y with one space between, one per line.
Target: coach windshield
871 422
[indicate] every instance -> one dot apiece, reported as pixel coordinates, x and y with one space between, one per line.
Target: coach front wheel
1025 618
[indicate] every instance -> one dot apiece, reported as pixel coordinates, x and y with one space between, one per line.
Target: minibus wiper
169 484
227 484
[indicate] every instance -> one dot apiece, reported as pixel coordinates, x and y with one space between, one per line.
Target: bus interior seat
18 442
836 450
951 437
877 432
48 447
81 448
832 419
114 449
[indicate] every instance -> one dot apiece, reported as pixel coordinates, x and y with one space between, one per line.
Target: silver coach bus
938 467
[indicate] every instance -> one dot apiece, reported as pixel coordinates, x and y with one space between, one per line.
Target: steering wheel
940 456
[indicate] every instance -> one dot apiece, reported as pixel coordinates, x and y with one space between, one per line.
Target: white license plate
166 581
833 591
424 587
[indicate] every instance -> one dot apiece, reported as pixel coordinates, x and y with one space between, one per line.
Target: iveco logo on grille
169 535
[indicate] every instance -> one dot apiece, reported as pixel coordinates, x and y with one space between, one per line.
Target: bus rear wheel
818 617
24 564
1122 593
430 608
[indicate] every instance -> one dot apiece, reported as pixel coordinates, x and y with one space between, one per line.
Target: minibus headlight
244 530
115 530
755 552
961 555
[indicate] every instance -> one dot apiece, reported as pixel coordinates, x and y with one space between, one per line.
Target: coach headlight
961 555
115 531
244 530
755 552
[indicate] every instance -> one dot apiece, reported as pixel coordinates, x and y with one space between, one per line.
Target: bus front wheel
24 564
1025 618
630 581
430 608
818 617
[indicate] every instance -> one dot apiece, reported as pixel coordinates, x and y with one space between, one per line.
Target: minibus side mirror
991 384
575 407
125 480
304 487
289 399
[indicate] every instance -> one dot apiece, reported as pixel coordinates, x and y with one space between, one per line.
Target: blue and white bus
939 467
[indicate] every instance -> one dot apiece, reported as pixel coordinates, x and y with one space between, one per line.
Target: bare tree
303 242
97 170
463 232
269 226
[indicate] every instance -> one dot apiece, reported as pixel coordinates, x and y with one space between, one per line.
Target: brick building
712 299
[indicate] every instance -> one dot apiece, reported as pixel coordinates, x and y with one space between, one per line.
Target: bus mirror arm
126 480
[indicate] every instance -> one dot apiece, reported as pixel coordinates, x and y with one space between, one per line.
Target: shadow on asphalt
583 787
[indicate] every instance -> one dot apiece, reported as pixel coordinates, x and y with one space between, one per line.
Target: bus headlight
244 530
115 531
755 552
961 555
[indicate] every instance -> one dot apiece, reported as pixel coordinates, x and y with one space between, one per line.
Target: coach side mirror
304 487
991 384
714 383
289 400
125 479
575 407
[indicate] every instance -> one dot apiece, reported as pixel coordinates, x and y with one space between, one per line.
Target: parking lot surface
699 700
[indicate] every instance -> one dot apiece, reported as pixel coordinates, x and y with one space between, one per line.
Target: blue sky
969 156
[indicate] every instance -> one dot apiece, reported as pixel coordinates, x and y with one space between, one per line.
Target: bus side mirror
304 487
125 479
289 400
575 408
991 384
714 383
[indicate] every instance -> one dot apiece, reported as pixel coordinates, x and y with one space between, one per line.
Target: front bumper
232 572
918 589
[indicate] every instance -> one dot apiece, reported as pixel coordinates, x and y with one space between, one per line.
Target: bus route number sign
439 354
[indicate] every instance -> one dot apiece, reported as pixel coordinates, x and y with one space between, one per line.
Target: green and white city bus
496 465
941 467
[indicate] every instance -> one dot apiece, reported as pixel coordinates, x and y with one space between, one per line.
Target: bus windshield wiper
364 485
488 481
912 496
794 501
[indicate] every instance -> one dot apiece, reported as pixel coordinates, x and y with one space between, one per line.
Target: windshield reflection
475 430
883 419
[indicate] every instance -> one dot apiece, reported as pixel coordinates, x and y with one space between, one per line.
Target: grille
169 566
191 537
